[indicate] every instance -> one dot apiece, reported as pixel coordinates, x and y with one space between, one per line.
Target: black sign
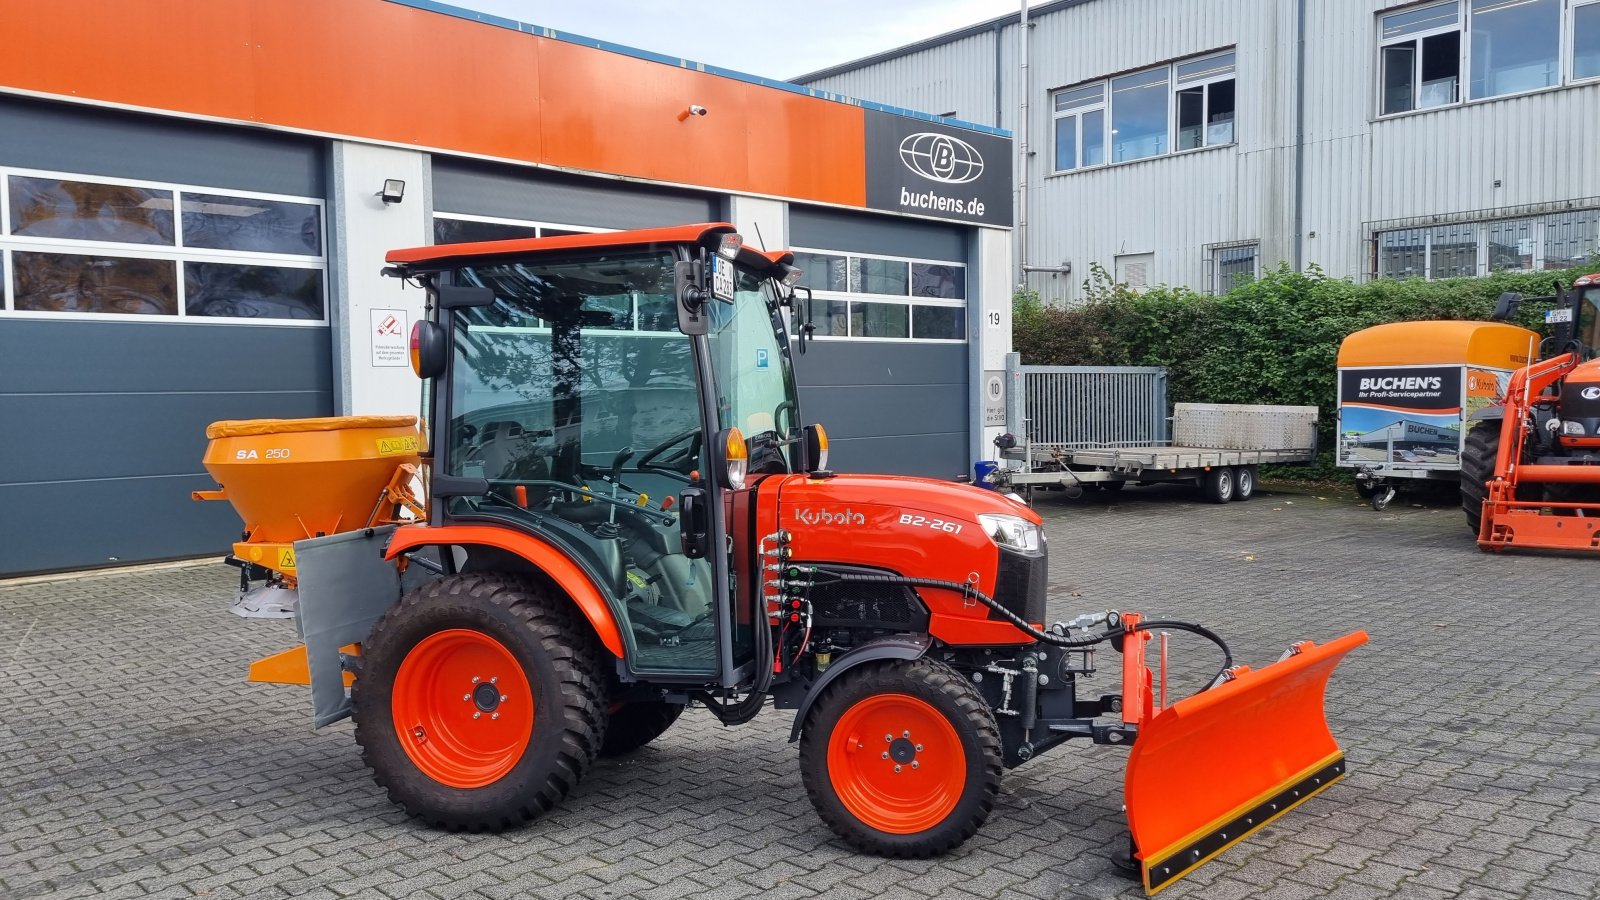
922 168
1432 389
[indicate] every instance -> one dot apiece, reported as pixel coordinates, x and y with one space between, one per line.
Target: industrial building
1194 143
195 208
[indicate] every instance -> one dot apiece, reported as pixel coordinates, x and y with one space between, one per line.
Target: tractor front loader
623 512
1535 463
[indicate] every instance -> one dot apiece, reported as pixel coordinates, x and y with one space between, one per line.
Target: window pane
832 317
219 222
939 322
1510 244
1403 254
1586 41
1191 118
1139 116
938 280
1441 70
1094 137
458 231
252 292
879 276
1455 251
1066 143
1219 113
1235 264
880 320
557 232
1210 67
1084 96
1515 45
87 211
1571 239
823 272
62 282
1399 71
1439 15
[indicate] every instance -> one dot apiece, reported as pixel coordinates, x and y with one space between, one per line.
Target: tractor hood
801 495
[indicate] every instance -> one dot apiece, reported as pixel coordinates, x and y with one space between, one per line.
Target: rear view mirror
806 328
1506 306
691 298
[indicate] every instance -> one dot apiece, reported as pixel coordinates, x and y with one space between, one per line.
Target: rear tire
1244 482
1478 455
905 797
497 645
635 724
1217 485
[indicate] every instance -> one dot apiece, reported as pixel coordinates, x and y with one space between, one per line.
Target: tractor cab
579 397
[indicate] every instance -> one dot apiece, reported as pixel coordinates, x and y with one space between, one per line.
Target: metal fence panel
1086 405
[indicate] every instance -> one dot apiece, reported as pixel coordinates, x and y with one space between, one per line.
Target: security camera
697 110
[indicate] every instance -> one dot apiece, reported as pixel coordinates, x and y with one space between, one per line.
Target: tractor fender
899 646
538 553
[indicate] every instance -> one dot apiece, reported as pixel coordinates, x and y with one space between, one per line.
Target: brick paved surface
135 761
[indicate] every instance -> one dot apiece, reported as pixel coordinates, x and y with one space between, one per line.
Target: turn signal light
416 347
729 248
738 456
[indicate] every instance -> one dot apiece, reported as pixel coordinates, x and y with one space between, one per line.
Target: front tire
902 759
481 701
1478 456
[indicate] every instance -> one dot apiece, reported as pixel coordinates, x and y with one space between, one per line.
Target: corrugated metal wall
1358 170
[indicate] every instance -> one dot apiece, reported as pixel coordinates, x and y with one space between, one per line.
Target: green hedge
1272 340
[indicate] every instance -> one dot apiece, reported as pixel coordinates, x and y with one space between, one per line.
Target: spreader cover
1212 768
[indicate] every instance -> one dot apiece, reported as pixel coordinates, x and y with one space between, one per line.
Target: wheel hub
902 751
486 697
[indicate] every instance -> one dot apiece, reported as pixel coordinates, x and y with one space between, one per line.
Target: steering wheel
687 454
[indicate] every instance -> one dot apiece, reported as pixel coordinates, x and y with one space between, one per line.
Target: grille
1021 584
867 606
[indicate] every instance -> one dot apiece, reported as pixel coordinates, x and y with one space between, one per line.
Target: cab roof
439 256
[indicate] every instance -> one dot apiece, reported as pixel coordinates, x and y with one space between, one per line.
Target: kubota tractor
623 512
1530 469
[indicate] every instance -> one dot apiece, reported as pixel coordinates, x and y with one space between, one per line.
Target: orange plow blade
1213 768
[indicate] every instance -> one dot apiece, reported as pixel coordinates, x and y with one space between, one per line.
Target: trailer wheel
1244 482
902 759
633 725
481 701
1217 484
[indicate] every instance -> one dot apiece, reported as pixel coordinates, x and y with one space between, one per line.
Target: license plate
1554 316
722 279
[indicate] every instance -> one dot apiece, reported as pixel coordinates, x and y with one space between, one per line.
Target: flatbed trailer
1102 427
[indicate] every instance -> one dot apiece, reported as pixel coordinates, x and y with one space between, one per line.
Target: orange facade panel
374 70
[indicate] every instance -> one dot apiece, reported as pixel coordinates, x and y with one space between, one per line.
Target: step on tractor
1530 468
615 509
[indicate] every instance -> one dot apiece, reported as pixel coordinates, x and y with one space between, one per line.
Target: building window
1232 264
885 298
1556 241
1586 40
1184 106
96 247
462 228
1504 46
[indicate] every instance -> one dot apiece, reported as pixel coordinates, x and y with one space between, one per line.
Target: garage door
158 276
484 202
887 375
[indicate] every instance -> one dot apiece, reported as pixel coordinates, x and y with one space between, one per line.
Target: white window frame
1105 104
177 252
907 299
1569 47
1460 28
526 223
1204 81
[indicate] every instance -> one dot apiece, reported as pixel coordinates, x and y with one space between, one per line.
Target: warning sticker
397 445
388 337
285 557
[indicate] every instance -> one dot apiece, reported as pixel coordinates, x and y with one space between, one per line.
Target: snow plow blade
1213 768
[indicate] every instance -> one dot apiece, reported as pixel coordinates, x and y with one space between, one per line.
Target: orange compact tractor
1530 470
623 512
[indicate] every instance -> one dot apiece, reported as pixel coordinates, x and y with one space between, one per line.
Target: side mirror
694 523
816 448
807 327
428 351
691 297
1506 306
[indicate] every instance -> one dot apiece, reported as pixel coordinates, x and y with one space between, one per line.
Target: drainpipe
1023 91
999 74
1300 138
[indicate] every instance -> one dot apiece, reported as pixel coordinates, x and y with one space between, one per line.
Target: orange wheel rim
463 708
896 763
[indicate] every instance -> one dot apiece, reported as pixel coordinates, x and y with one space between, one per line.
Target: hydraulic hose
968 590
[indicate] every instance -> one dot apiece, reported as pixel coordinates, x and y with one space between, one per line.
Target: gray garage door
888 374
158 276
483 202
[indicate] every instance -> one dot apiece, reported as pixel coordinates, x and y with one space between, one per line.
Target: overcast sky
773 39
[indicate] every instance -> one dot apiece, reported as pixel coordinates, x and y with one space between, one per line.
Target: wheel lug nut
888 738
494 680
476 679
906 734
919 748
494 715
466 698
477 715
897 769
886 754
503 698
915 764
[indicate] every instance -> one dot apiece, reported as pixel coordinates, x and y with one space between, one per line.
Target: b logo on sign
940 157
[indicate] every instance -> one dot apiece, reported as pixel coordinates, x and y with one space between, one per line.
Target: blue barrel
981 470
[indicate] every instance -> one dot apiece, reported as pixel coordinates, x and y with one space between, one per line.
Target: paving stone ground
136 762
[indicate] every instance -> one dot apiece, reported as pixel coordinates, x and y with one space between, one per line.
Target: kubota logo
940 157
1590 393
845 516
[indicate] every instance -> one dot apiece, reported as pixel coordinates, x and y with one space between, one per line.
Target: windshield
750 360
1589 321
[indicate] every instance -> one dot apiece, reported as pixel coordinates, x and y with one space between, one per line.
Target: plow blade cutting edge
1213 768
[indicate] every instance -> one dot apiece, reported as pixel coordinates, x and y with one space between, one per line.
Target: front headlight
1013 531
1573 428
